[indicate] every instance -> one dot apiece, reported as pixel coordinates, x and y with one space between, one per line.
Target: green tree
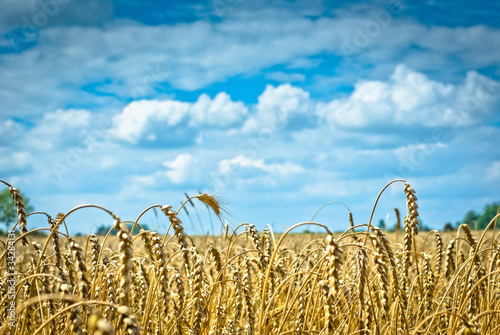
489 213
448 227
381 224
470 217
8 211
474 219
103 229
422 226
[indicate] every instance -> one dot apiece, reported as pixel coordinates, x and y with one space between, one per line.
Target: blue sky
276 106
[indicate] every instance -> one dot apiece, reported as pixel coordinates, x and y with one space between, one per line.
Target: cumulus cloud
181 168
477 99
60 128
406 100
10 131
411 99
182 171
284 106
93 61
175 122
124 57
141 119
467 43
219 112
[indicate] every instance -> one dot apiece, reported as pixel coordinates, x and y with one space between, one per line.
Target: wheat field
361 281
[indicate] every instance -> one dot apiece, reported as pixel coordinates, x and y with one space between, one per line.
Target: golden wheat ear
21 212
214 203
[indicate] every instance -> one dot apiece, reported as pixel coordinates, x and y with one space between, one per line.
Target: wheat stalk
21 212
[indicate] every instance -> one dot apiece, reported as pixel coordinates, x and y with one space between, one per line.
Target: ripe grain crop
361 281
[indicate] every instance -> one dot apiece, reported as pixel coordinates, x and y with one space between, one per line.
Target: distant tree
448 227
489 213
103 229
39 233
470 217
137 230
8 210
381 224
480 221
422 226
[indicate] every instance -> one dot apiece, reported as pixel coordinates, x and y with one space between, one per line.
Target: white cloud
131 60
141 183
153 120
41 14
477 99
87 63
350 112
108 162
10 131
14 162
181 168
412 99
140 118
279 107
219 112
408 99
411 91
60 128
493 172
285 77
467 43
284 100
241 161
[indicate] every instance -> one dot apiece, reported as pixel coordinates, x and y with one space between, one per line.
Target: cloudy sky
276 106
